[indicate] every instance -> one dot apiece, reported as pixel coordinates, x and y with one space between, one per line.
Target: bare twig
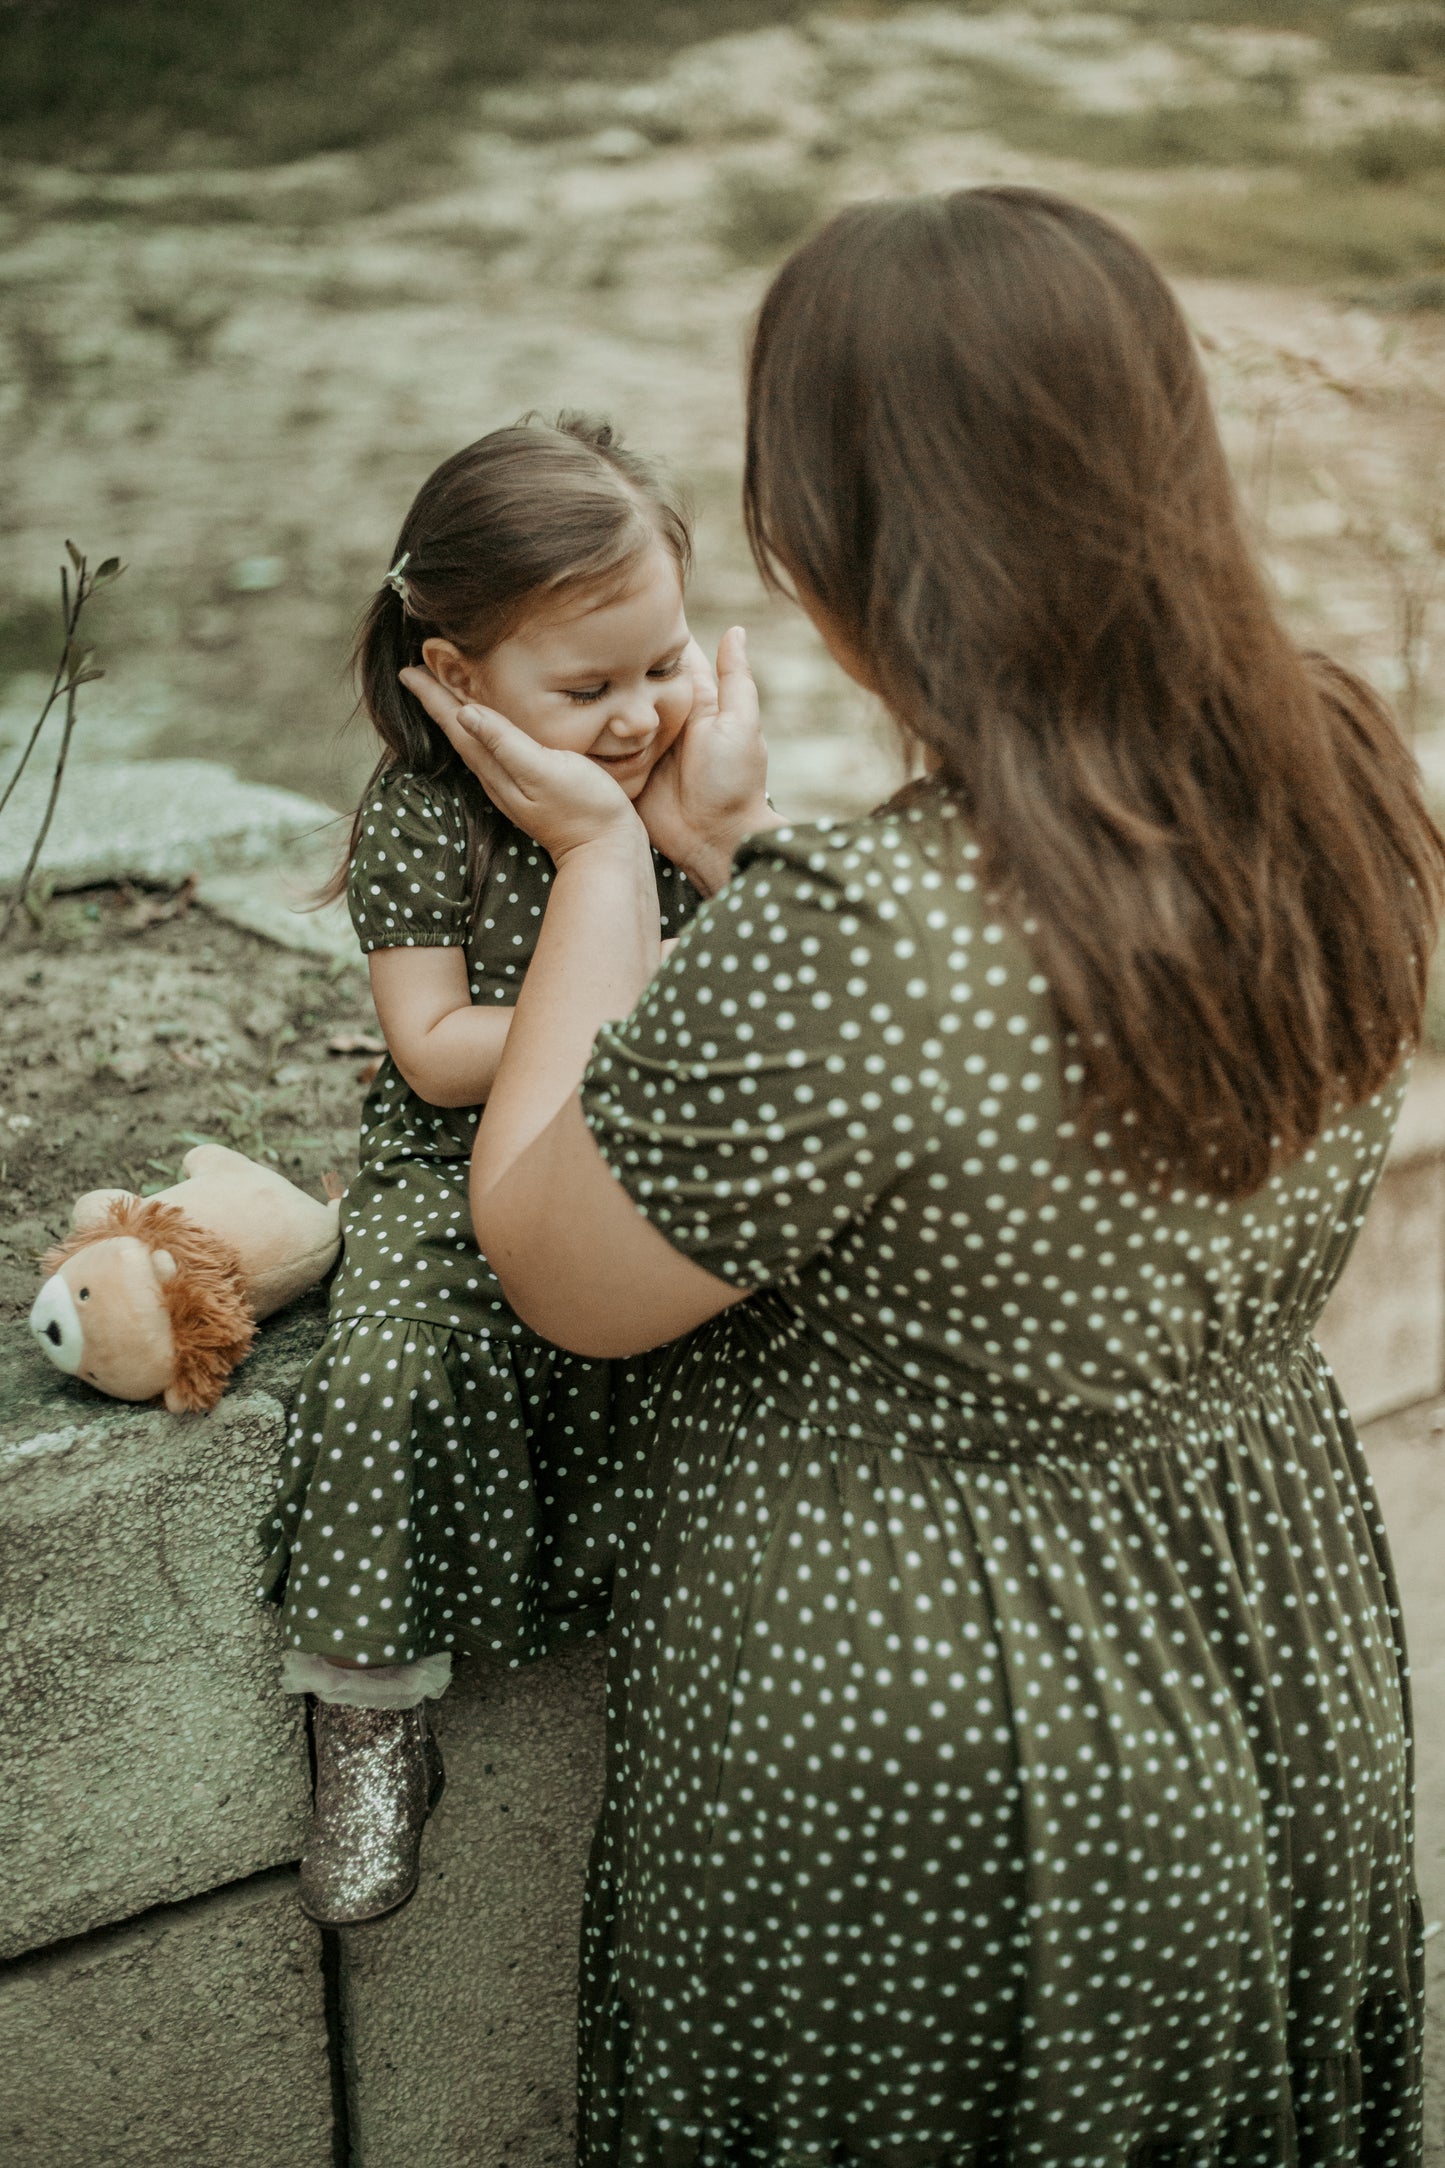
23 887
71 672
70 617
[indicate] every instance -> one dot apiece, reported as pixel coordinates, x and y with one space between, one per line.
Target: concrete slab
276 902
152 820
1383 1329
149 1753
459 2013
194 2038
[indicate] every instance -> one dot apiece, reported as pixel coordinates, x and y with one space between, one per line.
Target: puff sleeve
408 882
780 1071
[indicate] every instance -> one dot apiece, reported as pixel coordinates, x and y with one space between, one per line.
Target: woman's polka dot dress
1008 1749
450 1482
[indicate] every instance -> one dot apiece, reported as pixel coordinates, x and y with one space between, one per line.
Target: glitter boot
378 1776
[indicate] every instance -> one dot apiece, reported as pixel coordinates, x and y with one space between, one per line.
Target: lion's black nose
52 1333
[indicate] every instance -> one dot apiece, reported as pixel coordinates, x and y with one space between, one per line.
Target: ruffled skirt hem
446 1490
1359 2109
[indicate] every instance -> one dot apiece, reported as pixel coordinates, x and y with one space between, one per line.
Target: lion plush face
142 1302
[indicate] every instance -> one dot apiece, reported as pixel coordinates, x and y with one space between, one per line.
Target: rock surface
194 2038
460 2012
149 1752
151 820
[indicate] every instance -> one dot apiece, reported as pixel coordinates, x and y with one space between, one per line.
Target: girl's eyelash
595 692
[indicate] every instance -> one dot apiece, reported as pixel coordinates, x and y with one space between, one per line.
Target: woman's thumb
732 652
736 690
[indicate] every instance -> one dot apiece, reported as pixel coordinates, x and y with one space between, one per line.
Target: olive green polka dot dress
1008 1756
450 1482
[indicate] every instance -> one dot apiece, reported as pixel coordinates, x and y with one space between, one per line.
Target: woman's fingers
737 694
484 739
561 799
441 704
704 684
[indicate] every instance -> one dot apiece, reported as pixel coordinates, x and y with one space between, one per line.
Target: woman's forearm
598 947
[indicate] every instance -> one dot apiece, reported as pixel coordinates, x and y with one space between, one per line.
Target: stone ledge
1383 1329
195 2036
150 1754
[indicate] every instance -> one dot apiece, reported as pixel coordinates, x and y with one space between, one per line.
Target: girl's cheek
676 701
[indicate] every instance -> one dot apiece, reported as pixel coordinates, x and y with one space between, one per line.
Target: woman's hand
709 790
561 800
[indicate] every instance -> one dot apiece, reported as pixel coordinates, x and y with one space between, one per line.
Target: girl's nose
634 715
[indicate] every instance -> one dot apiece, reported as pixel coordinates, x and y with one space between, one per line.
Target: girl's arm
575 1256
447 1050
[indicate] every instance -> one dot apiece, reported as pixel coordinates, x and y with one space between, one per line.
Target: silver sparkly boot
378 1776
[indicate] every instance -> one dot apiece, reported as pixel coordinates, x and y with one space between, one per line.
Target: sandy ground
237 379
127 1036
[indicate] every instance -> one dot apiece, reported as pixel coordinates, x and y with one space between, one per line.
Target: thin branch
71 672
72 694
71 617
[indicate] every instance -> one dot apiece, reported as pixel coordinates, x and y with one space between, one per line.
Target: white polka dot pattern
450 1481
1008 1756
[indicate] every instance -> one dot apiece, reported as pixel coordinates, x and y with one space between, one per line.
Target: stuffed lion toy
161 1295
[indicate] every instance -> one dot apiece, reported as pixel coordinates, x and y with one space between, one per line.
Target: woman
1008 1745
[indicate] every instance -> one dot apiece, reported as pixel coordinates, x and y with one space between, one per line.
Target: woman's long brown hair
980 446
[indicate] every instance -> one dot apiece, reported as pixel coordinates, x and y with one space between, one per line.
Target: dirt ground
236 375
126 1036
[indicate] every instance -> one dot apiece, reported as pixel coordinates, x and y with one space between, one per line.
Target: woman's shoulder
918 839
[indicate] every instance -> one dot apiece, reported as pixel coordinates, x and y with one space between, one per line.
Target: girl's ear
446 661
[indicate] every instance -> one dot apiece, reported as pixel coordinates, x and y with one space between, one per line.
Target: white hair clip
395 579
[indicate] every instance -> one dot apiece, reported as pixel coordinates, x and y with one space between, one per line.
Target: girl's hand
561 800
709 790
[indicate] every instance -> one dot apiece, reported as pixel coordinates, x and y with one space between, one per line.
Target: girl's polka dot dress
1009 1756
450 1482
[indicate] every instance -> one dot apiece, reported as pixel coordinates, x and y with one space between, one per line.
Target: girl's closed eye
584 695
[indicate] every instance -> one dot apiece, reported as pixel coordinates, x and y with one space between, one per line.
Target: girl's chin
631 777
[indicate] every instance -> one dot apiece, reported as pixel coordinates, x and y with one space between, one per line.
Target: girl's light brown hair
526 518
980 444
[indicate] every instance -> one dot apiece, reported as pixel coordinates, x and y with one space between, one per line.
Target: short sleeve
781 1069
408 882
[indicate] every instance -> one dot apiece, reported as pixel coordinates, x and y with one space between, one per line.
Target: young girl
452 1481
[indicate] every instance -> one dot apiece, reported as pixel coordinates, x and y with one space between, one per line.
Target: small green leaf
74 555
110 570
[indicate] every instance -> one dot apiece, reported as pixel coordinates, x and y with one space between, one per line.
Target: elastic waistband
994 1422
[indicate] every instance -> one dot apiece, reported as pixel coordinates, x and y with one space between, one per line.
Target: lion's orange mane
210 1318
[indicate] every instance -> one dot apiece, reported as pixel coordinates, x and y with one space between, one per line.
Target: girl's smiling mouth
624 760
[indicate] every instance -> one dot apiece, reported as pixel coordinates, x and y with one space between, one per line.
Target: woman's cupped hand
562 800
709 789
706 793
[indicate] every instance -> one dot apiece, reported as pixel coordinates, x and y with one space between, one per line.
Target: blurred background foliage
149 85
261 264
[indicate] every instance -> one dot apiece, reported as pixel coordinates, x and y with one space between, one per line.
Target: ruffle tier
444 1490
